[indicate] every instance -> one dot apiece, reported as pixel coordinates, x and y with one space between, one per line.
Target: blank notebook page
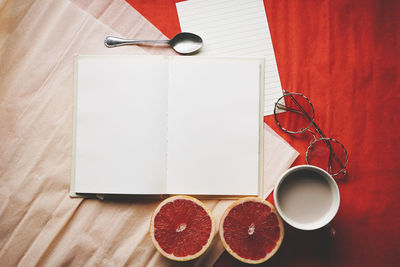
121 118
214 126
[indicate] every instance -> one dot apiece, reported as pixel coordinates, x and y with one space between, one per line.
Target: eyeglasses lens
299 113
327 154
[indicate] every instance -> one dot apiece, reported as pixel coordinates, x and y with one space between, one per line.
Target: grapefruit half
182 228
251 230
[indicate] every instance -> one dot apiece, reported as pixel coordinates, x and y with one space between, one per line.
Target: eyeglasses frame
322 136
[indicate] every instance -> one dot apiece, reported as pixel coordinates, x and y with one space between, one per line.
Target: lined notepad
234 28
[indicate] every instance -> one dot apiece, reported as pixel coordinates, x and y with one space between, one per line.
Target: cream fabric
39 223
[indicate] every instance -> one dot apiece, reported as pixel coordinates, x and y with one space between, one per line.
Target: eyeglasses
323 152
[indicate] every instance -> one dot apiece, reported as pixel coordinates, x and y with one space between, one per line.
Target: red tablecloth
343 55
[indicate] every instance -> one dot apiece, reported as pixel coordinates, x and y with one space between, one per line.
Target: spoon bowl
184 43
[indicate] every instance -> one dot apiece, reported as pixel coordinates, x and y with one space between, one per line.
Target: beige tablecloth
39 223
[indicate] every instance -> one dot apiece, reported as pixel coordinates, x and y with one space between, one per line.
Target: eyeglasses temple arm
284 107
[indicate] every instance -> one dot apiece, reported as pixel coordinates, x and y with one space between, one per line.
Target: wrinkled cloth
39 223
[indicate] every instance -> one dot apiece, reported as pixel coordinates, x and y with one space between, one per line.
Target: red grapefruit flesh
182 228
251 230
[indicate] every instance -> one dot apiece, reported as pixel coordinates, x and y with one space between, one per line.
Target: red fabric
161 13
344 55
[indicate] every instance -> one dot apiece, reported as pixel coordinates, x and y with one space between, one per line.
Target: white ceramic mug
307 197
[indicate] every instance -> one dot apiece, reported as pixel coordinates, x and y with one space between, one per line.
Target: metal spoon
184 43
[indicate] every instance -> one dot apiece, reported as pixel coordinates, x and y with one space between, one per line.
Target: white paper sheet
214 123
121 125
234 28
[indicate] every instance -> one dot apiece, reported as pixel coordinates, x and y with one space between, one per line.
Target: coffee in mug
307 197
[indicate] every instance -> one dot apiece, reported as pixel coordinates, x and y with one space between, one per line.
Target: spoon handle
111 41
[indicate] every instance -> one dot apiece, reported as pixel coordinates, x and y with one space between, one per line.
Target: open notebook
168 125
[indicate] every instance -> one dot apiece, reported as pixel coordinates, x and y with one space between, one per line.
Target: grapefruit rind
171 256
233 253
